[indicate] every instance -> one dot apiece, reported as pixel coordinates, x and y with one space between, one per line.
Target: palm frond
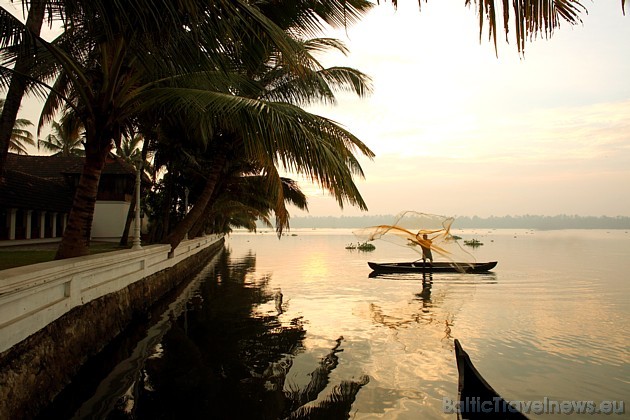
531 18
295 139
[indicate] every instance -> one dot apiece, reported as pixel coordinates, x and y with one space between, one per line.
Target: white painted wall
33 296
109 219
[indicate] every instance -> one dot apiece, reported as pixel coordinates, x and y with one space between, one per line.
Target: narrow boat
477 399
434 267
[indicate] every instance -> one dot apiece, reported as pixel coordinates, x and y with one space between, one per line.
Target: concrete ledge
76 309
33 296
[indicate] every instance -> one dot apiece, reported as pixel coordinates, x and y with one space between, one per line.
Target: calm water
274 325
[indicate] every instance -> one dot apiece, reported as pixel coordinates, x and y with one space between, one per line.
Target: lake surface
295 326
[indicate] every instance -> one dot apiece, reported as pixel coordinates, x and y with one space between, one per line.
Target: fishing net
415 230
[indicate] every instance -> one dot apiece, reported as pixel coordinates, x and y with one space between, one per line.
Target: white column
136 229
54 224
29 224
12 223
42 224
186 192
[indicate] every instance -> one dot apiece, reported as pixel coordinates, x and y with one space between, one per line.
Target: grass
19 256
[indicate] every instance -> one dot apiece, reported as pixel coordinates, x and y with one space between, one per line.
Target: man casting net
427 234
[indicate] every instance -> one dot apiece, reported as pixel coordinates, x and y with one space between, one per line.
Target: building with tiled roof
36 194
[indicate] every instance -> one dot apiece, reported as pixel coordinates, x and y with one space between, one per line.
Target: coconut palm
108 84
104 62
64 140
16 85
243 195
243 200
131 151
20 136
23 38
274 90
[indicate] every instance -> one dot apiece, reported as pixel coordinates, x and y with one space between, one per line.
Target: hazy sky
458 131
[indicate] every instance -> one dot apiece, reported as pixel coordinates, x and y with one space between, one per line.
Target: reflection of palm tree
225 360
20 136
319 379
335 405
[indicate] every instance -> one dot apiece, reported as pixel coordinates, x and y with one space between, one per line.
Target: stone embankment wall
35 370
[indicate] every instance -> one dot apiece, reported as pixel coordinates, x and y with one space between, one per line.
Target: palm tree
17 84
23 38
130 150
246 201
20 136
270 97
108 84
105 58
64 140
243 195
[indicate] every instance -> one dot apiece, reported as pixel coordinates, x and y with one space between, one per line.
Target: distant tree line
527 221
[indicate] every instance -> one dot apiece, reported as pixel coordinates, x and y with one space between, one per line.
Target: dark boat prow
477 399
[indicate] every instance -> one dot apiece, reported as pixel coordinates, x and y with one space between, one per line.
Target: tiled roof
39 182
54 167
25 191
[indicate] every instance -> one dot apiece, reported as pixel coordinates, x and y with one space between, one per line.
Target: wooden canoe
477 399
435 267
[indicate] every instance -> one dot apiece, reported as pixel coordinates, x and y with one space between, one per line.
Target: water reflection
399 316
226 356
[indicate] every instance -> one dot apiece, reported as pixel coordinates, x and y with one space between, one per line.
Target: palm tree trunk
76 237
193 215
17 87
200 224
131 213
124 239
166 208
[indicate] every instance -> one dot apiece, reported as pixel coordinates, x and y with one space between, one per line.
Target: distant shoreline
474 222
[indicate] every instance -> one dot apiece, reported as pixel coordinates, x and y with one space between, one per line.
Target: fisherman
425 244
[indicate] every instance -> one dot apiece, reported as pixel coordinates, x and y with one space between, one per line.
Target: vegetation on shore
475 222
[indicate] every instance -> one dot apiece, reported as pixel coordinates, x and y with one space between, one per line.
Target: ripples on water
297 328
